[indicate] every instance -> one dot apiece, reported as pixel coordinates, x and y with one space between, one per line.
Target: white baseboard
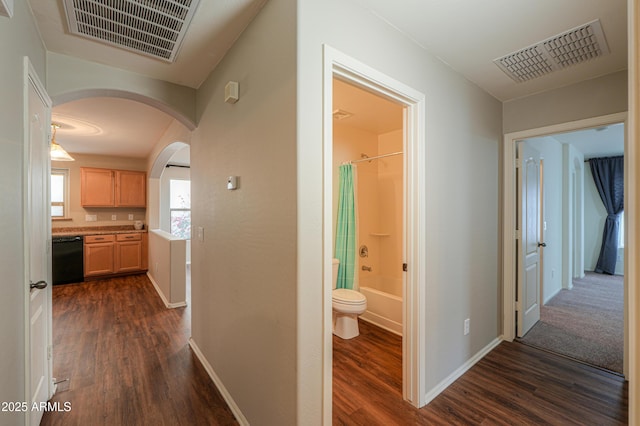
440 387
216 381
552 296
161 294
382 322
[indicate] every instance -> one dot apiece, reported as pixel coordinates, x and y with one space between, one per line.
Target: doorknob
542 244
39 285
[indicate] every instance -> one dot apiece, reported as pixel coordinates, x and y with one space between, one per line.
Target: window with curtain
621 232
59 193
180 208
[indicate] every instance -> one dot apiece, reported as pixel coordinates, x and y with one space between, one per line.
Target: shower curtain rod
365 158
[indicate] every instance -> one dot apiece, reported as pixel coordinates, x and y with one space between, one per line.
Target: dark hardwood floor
514 384
128 363
127 359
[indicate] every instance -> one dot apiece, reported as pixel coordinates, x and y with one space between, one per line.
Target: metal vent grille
563 50
151 27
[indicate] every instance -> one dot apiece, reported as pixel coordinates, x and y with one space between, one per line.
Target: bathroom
369 126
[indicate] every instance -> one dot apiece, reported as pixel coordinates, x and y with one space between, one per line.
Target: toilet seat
348 297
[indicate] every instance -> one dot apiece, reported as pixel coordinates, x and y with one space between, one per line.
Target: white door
38 243
528 294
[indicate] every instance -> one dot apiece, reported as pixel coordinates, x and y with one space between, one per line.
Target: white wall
463 131
18 38
551 152
244 272
178 173
167 267
70 78
175 138
592 98
573 215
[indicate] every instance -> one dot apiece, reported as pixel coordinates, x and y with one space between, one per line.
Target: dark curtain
608 175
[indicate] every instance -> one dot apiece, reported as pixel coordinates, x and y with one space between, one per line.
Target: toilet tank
335 265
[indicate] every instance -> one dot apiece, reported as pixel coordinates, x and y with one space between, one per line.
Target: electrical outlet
466 326
114 217
130 216
90 217
157 266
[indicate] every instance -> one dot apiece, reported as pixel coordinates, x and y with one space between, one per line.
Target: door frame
509 199
342 66
31 79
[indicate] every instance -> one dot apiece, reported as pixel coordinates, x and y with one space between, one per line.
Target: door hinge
49 352
518 163
404 267
518 234
518 306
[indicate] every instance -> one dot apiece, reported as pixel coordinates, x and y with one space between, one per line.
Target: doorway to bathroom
376 124
368 136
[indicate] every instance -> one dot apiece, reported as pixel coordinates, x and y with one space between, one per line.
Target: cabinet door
96 187
131 188
99 259
128 256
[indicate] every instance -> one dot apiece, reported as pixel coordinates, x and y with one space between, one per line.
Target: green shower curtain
346 228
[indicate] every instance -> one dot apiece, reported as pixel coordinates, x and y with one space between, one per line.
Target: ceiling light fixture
57 152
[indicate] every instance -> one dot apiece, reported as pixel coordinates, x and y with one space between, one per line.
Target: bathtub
383 310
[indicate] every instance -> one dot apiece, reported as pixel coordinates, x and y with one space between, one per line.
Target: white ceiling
606 141
469 34
215 26
109 126
370 112
465 34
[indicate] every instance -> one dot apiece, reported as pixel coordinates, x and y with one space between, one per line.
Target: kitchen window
59 194
180 208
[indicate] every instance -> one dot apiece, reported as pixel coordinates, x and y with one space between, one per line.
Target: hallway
127 359
513 384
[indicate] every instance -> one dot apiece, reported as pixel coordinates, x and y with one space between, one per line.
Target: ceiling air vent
150 27
340 114
569 48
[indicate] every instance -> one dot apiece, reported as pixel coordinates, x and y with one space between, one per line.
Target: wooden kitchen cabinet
115 254
112 188
128 253
97 187
99 255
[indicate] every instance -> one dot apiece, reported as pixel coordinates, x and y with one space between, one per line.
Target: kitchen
99 200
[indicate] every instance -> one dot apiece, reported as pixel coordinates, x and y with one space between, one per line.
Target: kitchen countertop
94 230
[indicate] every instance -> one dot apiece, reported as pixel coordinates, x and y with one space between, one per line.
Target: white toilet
347 305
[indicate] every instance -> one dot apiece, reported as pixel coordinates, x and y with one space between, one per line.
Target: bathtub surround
347 228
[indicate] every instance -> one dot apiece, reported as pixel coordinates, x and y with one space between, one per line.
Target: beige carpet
585 323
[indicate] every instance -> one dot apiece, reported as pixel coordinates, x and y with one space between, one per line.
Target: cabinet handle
99 239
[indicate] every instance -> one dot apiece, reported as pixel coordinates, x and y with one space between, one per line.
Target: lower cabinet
115 254
99 255
128 253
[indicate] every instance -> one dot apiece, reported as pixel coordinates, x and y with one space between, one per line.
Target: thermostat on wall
231 95
232 182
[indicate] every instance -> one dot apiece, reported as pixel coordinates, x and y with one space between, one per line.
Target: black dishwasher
68 260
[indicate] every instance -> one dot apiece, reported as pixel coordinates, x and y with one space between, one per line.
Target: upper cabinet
131 188
112 188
